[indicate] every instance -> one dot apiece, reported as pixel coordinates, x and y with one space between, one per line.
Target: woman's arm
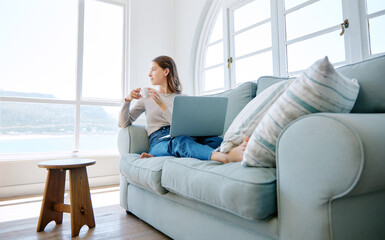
127 116
166 110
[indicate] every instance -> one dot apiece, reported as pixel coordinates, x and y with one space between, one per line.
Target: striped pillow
249 117
318 89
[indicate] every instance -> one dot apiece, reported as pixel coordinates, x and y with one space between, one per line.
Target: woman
158 109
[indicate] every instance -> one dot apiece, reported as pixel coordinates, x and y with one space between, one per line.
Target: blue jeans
182 146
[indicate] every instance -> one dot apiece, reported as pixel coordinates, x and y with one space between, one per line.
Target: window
62 75
312 32
214 62
103 50
282 38
375 21
250 41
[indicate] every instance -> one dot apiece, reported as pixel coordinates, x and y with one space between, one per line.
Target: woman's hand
158 99
134 94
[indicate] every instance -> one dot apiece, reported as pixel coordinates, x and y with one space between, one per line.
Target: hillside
50 118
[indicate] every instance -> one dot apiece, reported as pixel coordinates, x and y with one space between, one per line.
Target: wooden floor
19 217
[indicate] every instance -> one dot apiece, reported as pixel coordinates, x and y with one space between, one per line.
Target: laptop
198 116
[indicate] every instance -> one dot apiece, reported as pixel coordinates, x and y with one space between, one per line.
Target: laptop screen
198 116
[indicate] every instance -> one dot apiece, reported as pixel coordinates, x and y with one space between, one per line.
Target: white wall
166 27
189 16
150 35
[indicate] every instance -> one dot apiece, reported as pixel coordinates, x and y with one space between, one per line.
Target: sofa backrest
238 98
371 77
266 81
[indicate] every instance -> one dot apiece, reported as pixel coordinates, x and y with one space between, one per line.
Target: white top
155 117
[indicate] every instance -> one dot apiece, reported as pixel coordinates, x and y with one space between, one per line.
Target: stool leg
81 205
53 193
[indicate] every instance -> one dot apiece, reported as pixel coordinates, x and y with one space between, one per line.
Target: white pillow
318 89
249 117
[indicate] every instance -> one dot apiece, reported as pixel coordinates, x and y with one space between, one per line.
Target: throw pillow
318 89
246 121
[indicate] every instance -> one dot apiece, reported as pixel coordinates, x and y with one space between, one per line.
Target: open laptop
198 116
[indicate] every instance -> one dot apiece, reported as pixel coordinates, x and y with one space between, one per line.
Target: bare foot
234 155
146 155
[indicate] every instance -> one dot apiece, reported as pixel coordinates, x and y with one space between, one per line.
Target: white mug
144 92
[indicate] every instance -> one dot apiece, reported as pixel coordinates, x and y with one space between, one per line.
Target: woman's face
157 75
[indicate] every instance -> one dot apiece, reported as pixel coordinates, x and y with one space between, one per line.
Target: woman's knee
160 149
182 139
180 145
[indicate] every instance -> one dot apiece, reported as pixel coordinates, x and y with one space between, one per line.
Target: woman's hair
173 82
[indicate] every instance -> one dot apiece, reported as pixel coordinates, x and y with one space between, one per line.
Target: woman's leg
185 146
157 143
213 142
157 150
234 155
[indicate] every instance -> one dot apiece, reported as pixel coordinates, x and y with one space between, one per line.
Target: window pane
214 54
375 5
251 13
377 34
38 47
35 127
98 128
292 3
302 54
251 68
253 40
214 78
103 50
217 32
323 14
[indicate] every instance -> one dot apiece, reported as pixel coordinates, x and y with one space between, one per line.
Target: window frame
200 59
232 33
79 101
356 48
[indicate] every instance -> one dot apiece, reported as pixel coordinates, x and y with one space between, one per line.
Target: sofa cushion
318 89
371 77
238 98
248 119
246 192
145 173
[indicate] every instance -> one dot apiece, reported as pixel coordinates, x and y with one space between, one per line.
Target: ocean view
54 143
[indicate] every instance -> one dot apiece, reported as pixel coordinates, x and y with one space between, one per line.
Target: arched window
245 39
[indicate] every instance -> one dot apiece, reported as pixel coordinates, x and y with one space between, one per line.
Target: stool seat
66 163
53 206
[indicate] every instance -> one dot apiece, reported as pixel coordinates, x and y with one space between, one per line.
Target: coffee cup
144 92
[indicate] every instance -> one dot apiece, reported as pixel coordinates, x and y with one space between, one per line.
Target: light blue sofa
329 182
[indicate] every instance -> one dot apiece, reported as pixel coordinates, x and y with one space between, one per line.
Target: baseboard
38 188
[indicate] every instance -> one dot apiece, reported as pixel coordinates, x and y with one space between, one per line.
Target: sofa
329 180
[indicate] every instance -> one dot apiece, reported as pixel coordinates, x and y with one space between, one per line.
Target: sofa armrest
133 139
331 177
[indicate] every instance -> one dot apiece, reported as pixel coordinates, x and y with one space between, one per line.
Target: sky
38 47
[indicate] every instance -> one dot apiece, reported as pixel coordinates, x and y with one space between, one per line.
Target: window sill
57 155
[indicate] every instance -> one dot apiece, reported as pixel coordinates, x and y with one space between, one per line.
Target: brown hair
173 82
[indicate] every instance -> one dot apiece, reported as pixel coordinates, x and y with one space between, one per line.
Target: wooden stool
53 206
